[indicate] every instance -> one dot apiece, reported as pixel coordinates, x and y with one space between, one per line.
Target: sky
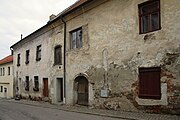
24 17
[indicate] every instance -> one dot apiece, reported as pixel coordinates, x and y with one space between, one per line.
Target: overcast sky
24 17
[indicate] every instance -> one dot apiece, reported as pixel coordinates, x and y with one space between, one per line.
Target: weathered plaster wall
44 68
114 27
7 81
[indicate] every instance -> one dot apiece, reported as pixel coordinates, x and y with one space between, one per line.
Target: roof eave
63 14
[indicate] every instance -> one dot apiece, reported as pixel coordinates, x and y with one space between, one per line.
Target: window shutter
149 83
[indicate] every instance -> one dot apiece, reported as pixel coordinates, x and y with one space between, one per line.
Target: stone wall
113 50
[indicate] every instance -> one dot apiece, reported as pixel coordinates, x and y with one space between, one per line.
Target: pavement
98 112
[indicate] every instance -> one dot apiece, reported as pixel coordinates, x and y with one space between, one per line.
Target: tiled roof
6 59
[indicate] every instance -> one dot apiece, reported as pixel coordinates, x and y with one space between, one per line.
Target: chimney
21 36
51 17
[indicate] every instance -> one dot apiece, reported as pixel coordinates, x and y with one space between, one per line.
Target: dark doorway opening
82 90
45 89
59 89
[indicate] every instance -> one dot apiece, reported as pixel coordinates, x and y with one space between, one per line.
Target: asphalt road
15 111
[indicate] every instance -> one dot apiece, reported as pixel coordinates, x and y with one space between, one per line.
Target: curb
75 111
103 113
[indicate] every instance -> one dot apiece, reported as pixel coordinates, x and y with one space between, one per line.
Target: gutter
65 27
64 60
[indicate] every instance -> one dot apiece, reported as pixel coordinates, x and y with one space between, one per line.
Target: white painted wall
7 81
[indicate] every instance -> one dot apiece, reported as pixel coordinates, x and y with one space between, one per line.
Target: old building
119 54
6 77
38 69
124 55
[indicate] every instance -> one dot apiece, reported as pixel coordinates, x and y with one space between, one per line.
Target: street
16 111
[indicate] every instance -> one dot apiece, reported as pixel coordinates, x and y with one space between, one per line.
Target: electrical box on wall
104 92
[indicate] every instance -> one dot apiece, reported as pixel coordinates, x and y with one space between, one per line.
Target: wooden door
82 91
45 89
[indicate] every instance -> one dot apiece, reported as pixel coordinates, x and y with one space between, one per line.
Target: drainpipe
64 60
13 72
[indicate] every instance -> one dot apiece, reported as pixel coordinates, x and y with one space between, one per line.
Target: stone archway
81 90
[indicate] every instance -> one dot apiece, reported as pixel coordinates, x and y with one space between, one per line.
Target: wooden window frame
27 56
56 62
18 59
150 88
149 14
38 53
77 46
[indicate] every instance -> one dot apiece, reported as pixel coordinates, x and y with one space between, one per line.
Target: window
76 38
27 83
149 16
27 56
36 83
58 55
1 89
3 72
9 71
149 83
38 53
18 60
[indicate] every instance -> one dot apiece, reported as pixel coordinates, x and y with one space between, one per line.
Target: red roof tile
6 59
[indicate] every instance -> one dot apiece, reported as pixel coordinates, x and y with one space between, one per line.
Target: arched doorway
81 89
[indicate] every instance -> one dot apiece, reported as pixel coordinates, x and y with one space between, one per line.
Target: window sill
36 89
38 59
27 62
162 101
27 89
150 97
57 64
150 31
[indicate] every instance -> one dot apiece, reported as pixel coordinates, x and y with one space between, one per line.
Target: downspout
12 53
64 60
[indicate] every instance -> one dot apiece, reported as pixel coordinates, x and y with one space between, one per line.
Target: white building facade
38 64
6 77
